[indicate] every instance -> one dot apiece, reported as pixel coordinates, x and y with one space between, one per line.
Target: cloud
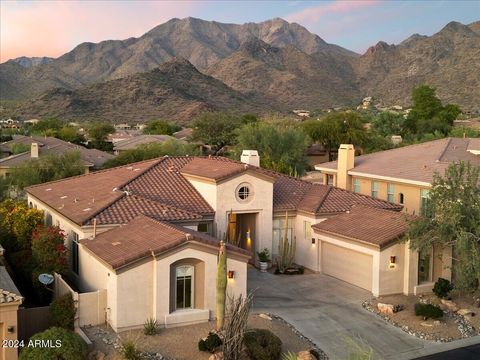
316 13
51 28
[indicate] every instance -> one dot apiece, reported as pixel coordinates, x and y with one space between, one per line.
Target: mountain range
185 66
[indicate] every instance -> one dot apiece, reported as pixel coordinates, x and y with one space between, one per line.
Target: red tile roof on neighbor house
157 186
144 237
374 226
415 162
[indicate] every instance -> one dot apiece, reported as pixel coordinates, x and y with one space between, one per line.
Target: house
134 142
183 134
40 146
10 300
401 175
133 229
404 175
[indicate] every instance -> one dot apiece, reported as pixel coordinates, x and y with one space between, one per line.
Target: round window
244 192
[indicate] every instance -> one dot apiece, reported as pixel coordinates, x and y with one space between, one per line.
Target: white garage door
347 265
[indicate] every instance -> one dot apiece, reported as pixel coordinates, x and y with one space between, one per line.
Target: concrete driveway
326 310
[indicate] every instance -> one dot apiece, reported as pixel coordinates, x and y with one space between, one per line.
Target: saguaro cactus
221 284
286 249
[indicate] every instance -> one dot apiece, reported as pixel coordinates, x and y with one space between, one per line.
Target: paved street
326 310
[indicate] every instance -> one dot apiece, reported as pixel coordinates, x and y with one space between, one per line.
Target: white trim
321 168
388 178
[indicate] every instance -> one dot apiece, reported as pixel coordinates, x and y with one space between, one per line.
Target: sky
52 28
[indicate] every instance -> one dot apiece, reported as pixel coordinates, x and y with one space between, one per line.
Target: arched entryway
187 285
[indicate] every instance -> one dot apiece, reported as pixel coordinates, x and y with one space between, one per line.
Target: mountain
285 77
28 62
175 90
201 42
448 60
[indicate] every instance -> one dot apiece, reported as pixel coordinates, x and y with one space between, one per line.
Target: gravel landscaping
452 326
181 343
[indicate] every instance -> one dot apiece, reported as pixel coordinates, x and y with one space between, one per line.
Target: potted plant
264 258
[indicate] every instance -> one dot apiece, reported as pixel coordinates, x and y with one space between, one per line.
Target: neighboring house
40 146
134 142
183 134
317 154
10 300
402 175
133 229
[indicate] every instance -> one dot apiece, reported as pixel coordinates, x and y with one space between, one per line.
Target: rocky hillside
285 77
175 90
448 60
28 62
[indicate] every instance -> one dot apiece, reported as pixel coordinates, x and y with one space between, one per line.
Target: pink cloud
316 13
51 28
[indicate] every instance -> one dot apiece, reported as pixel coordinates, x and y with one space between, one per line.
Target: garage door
347 265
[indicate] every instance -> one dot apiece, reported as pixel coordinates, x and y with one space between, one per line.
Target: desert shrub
62 312
428 311
442 288
66 345
262 344
129 349
289 356
150 327
210 343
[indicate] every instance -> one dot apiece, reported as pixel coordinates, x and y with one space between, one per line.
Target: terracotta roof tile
375 226
141 237
9 297
213 168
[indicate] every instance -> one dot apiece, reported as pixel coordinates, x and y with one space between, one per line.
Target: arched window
184 287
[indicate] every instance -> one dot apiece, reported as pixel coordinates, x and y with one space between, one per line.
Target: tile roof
157 188
136 141
9 297
141 237
374 226
50 145
415 162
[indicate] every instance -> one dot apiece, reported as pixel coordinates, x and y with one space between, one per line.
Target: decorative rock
96 355
265 316
305 355
216 356
385 308
426 324
465 312
449 305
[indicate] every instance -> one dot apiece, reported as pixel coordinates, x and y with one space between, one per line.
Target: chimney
346 161
34 150
250 157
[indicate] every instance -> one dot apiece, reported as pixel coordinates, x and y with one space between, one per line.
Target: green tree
48 249
70 346
47 168
17 222
337 128
387 124
216 129
161 127
99 131
281 148
451 218
71 134
19 148
170 147
47 127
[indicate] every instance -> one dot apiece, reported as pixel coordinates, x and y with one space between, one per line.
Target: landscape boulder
389 308
305 355
448 305
216 356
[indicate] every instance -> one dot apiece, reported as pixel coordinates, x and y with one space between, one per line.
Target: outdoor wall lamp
11 329
313 241
231 274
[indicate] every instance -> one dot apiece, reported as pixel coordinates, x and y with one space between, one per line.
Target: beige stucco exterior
8 320
142 290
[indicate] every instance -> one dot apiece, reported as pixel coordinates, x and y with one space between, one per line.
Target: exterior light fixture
313 241
11 329
231 274
392 259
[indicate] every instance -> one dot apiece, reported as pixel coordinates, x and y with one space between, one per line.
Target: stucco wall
8 317
307 254
391 279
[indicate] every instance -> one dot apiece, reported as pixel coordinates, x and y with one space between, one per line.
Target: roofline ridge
369 197
122 195
322 200
156 162
444 149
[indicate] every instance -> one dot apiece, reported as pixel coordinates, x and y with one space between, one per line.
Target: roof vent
49 189
188 236
115 243
126 192
75 200
63 197
87 209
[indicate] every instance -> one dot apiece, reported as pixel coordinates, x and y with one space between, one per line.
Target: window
244 192
330 179
424 266
356 185
390 193
423 201
401 199
48 219
74 252
279 226
374 189
307 230
184 287
203 228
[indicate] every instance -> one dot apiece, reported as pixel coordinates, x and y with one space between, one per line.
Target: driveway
326 310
